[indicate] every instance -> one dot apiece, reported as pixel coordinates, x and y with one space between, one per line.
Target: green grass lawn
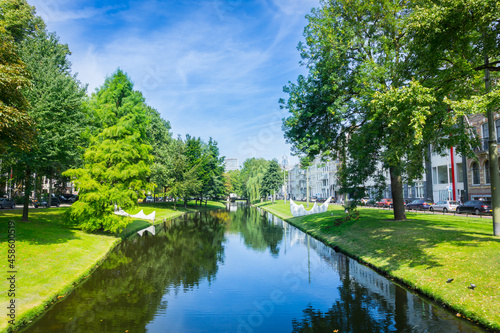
52 256
423 252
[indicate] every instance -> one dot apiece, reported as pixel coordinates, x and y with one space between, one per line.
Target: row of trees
258 178
387 79
112 144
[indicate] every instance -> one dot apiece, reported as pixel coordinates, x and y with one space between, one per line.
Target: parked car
384 203
445 206
7 203
419 204
371 203
475 206
319 200
73 198
149 199
64 198
45 202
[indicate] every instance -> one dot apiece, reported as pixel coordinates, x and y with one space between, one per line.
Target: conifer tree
117 162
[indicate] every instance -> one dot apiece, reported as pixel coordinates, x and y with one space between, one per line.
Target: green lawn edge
164 213
320 226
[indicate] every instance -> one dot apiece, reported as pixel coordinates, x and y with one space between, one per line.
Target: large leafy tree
55 98
205 158
358 102
456 49
117 162
252 175
17 20
272 180
160 139
181 178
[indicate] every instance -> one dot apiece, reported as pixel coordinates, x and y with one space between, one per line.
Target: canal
239 270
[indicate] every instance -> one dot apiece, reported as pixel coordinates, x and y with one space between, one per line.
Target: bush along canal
239 270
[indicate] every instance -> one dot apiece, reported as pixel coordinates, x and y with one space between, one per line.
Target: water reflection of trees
256 231
126 291
360 308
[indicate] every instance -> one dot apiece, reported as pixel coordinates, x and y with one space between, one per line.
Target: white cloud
209 73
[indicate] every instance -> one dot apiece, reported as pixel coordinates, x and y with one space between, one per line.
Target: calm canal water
239 270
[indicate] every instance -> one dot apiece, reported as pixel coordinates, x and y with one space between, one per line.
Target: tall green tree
160 139
17 20
55 98
181 178
272 180
252 175
117 162
456 49
359 103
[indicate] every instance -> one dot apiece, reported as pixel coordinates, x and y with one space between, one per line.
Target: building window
497 126
443 174
419 190
486 135
460 173
475 173
487 172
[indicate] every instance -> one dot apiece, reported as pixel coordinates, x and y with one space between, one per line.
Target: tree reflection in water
257 232
362 309
125 293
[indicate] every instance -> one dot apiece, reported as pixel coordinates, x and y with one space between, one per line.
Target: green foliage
181 179
272 180
252 175
210 167
56 101
16 126
359 101
117 162
233 182
17 20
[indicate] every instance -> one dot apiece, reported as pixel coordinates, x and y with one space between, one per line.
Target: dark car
45 202
419 204
475 206
7 203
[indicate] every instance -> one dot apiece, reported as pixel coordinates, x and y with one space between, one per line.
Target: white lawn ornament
139 215
299 210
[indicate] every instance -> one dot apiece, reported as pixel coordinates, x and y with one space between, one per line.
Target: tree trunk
49 201
397 194
27 193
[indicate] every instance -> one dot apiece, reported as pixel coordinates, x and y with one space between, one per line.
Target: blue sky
212 68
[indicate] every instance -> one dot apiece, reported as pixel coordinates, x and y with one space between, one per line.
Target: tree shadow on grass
45 226
40 233
401 243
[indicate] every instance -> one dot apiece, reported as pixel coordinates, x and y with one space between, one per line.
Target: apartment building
478 170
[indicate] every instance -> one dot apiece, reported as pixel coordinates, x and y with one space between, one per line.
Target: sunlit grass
424 252
50 257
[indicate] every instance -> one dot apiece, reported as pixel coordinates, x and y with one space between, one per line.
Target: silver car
7 203
445 206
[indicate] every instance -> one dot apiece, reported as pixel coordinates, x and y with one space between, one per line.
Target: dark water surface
239 270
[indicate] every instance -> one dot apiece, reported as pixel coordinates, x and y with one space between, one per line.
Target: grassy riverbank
422 252
51 257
